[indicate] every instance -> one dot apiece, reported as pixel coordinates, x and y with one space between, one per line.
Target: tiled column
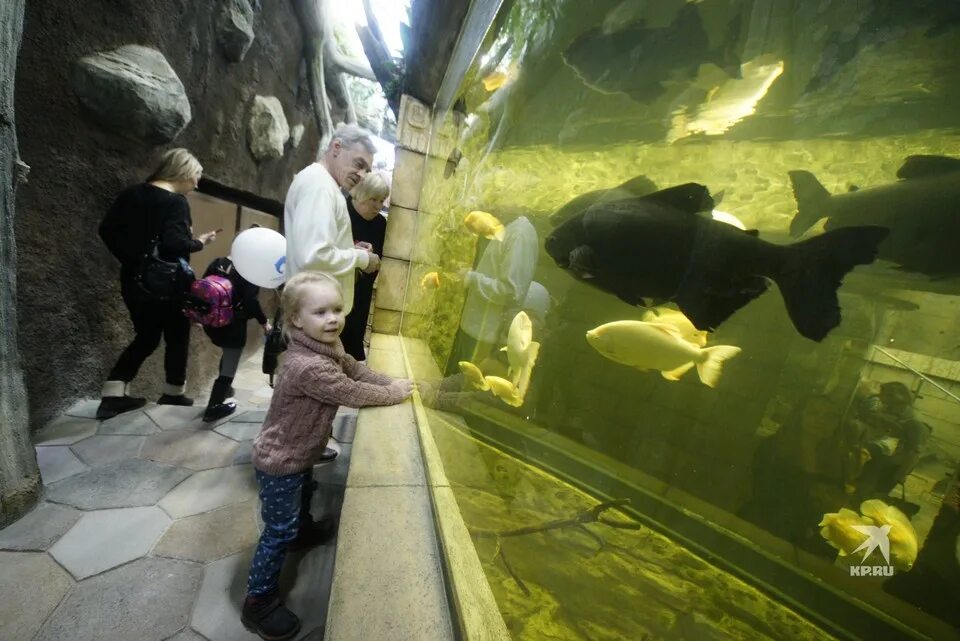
413 139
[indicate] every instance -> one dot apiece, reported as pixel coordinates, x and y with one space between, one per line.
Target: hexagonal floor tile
105 539
244 454
176 417
65 430
98 451
86 408
147 600
217 613
129 423
32 585
130 483
57 463
251 416
239 431
189 449
210 489
211 536
187 635
39 529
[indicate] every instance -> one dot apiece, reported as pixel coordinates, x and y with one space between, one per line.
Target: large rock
133 91
235 28
267 130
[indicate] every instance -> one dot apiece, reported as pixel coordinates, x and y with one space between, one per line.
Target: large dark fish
659 246
637 60
922 211
633 188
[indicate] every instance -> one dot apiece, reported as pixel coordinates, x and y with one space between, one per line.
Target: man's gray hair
350 135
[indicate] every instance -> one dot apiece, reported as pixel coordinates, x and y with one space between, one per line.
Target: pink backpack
210 301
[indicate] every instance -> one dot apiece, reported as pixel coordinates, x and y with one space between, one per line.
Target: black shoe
231 392
314 533
328 455
267 616
180 399
110 406
216 412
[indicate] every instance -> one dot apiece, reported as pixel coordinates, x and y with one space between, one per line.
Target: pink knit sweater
314 380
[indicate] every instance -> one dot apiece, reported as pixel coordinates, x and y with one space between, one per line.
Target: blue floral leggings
284 506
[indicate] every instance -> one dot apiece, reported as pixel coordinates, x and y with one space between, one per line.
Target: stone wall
19 476
72 321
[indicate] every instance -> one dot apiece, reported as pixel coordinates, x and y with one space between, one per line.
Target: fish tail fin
499 233
812 201
813 270
711 367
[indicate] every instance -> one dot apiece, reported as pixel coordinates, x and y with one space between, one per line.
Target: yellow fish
659 346
483 224
517 348
902 536
504 390
680 322
494 80
430 280
473 374
839 530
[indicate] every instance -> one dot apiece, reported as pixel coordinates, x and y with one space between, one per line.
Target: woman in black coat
156 210
370 227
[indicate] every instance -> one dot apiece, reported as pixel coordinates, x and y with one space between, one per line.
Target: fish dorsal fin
669 330
690 198
921 166
752 232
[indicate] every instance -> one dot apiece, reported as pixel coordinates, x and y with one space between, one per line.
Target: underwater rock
267 128
296 135
235 28
134 92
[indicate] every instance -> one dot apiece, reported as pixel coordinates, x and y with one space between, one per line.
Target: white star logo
877 537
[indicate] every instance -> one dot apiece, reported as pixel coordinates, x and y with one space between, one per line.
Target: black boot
266 615
110 406
179 399
218 407
313 533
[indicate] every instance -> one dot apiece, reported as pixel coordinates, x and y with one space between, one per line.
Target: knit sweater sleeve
330 384
360 372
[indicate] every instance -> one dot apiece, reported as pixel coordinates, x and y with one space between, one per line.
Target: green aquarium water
622 472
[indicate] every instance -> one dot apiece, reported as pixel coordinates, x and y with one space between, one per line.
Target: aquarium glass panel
699 261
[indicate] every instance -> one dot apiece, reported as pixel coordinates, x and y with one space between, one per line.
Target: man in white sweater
315 217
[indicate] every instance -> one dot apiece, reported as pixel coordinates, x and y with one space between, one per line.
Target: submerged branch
590 515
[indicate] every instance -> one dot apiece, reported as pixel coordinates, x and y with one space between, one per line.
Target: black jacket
140 214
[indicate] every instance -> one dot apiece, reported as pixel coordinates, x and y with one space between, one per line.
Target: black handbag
163 280
274 344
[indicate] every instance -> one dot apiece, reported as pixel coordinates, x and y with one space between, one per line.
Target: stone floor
148 524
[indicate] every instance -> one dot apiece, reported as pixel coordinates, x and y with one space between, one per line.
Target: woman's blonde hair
176 165
295 289
373 187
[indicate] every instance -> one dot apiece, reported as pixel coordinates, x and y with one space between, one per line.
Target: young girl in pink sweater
316 377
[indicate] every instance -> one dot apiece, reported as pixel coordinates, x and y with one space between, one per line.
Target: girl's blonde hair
294 291
373 187
176 165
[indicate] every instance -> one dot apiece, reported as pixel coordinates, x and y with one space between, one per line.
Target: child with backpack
223 302
315 378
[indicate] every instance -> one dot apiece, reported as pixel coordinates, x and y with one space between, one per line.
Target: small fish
473 374
659 346
902 536
679 322
839 530
494 80
483 224
658 247
517 348
504 390
430 280
728 218
922 211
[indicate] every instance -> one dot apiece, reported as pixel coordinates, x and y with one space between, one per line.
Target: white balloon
260 256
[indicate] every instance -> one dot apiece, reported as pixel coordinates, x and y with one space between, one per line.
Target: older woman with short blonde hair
369 229
152 215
